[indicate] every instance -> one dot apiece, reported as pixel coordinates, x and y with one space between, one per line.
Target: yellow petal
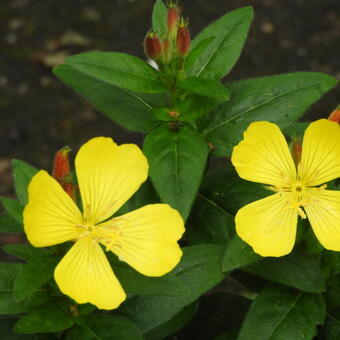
147 238
320 159
50 217
268 225
323 212
85 275
263 155
108 175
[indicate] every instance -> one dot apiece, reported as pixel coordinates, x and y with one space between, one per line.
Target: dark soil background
39 114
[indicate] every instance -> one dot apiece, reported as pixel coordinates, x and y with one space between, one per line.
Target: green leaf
333 292
220 55
204 87
9 224
295 270
174 324
199 269
331 328
209 223
13 207
193 106
34 274
283 313
227 190
50 318
238 254
177 160
196 52
296 130
25 251
281 99
159 17
6 325
8 305
135 283
127 108
22 175
105 327
118 69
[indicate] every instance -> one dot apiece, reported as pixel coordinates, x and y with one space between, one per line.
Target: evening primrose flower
269 225
108 175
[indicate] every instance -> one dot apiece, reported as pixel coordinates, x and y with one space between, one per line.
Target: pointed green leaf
159 17
50 318
13 207
118 69
22 174
204 87
127 108
8 305
209 223
25 251
35 273
9 224
177 160
282 313
238 254
219 56
280 99
296 270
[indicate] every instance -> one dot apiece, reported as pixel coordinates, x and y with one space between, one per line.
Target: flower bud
62 172
183 40
152 46
296 151
173 18
335 115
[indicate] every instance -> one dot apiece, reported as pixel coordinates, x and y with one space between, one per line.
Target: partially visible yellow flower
269 224
108 175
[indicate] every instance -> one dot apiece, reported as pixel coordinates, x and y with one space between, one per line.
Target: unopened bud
335 115
166 51
173 114
173 18
296 151
152 46
183 40
62 172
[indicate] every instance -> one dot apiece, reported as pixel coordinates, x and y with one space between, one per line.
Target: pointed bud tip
335 115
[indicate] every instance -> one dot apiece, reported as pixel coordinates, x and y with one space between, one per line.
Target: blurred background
39 114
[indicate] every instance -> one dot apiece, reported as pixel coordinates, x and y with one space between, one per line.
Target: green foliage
279 99
186 113
209 223
177 160
22 174
282 313
35 273
52 317
159 17
219 56
200 270
105 327
296 270
238 254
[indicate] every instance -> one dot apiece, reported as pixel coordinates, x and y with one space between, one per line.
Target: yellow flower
269 224
108 175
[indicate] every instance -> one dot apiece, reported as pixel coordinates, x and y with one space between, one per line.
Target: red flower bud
183 40
335 115
62 172
173 17
296 151
152 46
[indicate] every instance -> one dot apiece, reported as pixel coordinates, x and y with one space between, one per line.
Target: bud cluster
164 47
